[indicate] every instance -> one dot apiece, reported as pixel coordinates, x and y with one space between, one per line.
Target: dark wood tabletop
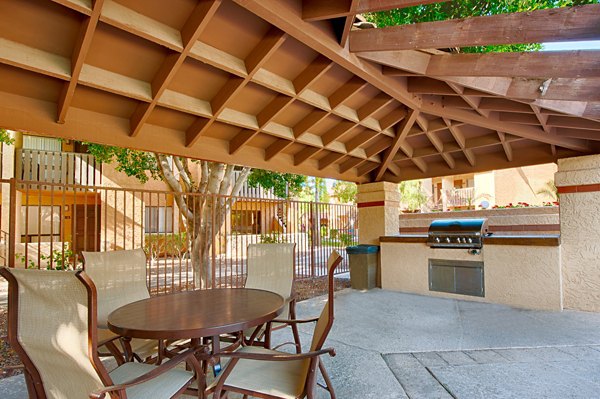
196 314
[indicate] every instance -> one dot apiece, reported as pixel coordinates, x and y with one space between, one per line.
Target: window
158 219
41 143
245 222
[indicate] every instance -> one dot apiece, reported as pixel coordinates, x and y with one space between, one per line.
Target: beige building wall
522 184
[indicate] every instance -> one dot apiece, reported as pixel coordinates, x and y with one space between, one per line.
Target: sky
585 45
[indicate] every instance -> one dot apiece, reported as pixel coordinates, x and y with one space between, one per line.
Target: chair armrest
163 368
295 321
278 357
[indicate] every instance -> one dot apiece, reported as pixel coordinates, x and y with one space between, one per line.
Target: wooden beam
82 45
191 31
366 167
392 118
329 159
349 163
308 122
348 22
579 133
506 146
377 147
337 131
311 73
574 123
318 10
275 148
360 140
241 139
274 108
374 105
460 139
305 154
580 89
540 26
540 64
346 91
401 133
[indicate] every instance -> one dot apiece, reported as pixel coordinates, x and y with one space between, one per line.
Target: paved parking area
392 345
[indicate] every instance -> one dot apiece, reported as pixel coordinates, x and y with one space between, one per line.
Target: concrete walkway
391 345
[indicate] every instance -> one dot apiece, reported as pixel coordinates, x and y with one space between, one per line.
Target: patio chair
120 278
267 373
52 327
271 268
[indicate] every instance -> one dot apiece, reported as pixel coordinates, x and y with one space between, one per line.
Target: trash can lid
362 249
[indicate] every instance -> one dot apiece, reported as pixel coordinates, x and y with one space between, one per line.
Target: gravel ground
9 361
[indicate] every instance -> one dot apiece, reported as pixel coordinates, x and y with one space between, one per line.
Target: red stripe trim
496 228
582 188
370 204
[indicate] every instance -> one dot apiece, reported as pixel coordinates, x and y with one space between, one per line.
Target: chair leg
327 380
114 351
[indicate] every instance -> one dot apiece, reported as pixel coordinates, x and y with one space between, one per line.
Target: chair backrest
326 318
120 278
271 268
52 328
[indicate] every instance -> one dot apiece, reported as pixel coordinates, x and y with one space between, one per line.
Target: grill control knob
458 240
470 240
437 239
448 240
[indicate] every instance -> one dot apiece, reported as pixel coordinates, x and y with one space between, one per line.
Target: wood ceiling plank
309 122
346 91
382 5
82 45
360 140
34 60
550 64
337 131
579 133
526 119
275 148
241 139
574 123
315 69
349 163
374 105
540 26
407 60
392 118
459 137
316 10
82 6
274 108
366 167
329 159
580 89
401 133
422 85
305 154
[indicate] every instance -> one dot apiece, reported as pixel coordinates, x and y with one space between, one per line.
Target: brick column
578 182
378 211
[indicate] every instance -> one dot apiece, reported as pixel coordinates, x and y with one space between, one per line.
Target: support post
378 211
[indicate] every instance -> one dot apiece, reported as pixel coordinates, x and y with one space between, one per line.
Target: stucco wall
547 218
378 205
521 276
522 184
580 220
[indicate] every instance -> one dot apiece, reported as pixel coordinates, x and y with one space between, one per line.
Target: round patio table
196 314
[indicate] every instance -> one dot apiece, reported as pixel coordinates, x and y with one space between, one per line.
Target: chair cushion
163 386
282 379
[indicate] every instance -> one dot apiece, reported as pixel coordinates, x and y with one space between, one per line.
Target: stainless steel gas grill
457 233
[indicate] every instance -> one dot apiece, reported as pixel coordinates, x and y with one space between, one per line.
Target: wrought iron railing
51 229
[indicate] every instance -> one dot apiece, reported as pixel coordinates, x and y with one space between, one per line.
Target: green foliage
345 191
5 137
139 164
549 190
411 194
165 245
470 8
57 260
273 238
284 185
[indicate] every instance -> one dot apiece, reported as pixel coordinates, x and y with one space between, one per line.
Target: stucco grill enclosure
288 86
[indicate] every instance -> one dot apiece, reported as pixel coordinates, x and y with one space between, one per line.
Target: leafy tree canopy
470 8
5 137
345 191
143 166
412 195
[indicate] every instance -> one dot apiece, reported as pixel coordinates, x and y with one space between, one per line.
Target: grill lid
457 233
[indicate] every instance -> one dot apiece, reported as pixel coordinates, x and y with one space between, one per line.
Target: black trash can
363 266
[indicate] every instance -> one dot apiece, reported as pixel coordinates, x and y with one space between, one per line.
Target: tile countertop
546 240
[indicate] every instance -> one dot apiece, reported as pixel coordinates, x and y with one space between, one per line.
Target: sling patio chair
53 329
267 373
271 268
120 278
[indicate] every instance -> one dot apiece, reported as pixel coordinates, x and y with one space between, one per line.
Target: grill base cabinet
456 277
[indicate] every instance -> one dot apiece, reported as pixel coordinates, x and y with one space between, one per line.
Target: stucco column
578 182
378 211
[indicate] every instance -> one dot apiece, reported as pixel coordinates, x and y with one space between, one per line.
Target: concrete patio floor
391 345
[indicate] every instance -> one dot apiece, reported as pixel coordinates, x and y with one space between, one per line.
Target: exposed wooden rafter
401 133
541 26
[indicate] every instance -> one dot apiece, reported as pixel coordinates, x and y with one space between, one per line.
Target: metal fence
49 225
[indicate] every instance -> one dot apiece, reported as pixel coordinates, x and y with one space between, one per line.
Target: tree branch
174 185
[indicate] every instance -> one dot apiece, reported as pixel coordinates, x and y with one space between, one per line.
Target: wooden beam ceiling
540 26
